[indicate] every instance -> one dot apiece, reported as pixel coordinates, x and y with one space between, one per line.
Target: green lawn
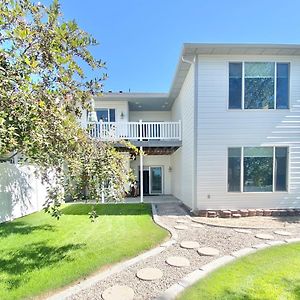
270 274
39 254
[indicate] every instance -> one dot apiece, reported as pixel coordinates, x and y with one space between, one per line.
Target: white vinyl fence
21 193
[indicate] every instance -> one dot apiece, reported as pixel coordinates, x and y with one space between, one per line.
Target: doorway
152 180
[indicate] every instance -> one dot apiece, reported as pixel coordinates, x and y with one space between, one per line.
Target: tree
43 90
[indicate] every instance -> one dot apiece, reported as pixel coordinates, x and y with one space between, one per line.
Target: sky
141 40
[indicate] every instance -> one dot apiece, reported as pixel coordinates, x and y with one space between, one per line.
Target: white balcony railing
113 131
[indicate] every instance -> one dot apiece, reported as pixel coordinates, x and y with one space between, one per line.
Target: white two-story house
226 136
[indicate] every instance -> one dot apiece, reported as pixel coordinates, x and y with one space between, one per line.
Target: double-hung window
258 85
257 169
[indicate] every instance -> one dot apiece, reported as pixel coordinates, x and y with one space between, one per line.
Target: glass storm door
155 180
106 114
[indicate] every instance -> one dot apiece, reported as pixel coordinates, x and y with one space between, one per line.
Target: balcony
155 133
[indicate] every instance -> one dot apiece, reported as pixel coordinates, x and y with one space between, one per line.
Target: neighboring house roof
163 101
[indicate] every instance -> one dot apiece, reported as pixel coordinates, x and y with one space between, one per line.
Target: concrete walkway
153 199
174 265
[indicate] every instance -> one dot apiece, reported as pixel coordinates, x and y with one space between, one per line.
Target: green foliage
43 91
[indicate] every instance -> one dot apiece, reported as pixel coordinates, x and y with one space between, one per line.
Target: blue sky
141 39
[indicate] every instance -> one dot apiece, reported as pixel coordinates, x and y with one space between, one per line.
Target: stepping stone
265 236
281 232
178 261
149 274
243 230
118 292
197 225
208 251
181 227
189 244
182 221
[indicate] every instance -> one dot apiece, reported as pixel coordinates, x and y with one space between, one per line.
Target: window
234 169
282 86
258 85
106 114
235 85
281 168
257 169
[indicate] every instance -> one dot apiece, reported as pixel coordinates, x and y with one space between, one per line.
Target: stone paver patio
142 276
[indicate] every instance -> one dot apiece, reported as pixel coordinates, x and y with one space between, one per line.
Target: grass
39 254
269 274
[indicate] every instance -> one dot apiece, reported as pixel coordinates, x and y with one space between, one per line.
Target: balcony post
141 163
141 175
141 130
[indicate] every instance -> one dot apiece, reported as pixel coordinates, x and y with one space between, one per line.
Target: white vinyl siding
149 116
121 107
183 159
220 128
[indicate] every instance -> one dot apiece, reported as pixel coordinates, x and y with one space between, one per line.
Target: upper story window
106 114
258 85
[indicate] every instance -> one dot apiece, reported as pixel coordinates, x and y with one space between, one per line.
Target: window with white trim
258 85
257 169
106 114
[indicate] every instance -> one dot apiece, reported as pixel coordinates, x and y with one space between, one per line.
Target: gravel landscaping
252 222
225 240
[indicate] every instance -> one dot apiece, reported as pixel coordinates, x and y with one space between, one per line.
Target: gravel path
226 240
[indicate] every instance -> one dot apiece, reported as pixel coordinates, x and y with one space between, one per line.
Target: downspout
187 61
195 62
195 133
